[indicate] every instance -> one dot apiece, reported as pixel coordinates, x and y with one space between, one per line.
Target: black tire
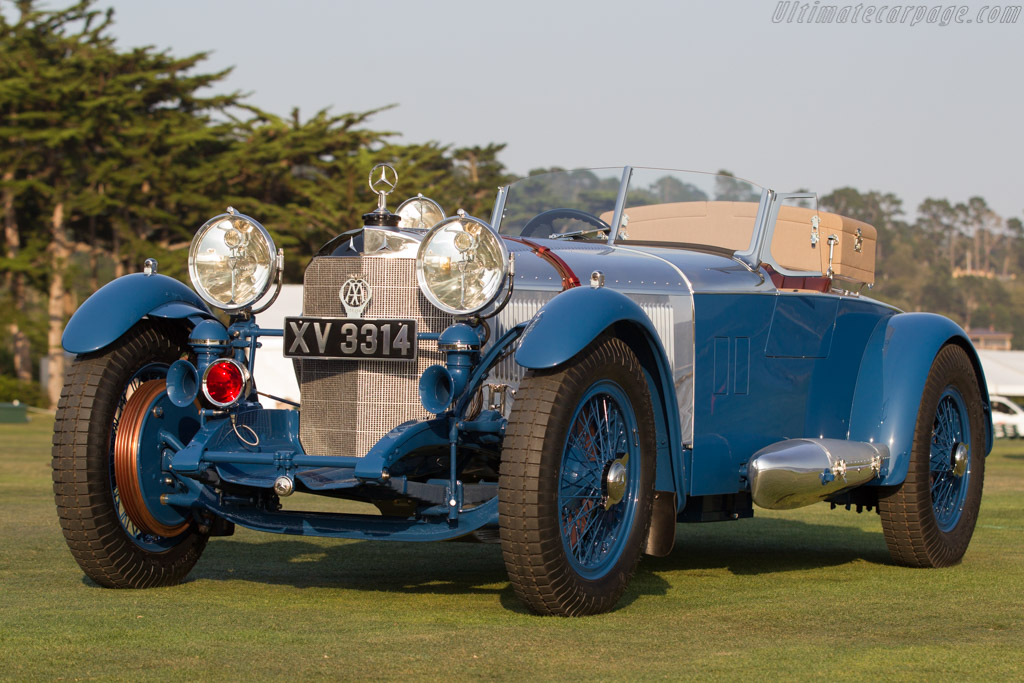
932 529
110 551
535 483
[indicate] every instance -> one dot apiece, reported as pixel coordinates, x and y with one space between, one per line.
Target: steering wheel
535 226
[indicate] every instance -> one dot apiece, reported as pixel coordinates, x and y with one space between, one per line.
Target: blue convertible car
617 351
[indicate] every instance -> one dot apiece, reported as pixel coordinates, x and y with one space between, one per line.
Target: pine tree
106 144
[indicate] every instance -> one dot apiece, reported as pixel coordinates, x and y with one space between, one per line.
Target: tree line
112 155
961 259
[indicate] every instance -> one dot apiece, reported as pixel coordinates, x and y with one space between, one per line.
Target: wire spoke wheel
929 519
950 476
576 483
599 476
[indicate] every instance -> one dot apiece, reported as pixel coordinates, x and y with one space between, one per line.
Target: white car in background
1007 418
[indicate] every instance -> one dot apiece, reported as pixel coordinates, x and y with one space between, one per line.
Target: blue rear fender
893 372
119 304
567 324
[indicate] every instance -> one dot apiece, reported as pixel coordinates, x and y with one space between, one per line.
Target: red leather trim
569 279
816 284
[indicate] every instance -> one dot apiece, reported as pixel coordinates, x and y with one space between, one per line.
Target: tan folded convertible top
730 225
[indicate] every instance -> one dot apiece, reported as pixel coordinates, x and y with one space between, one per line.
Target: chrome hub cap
615 483
959 459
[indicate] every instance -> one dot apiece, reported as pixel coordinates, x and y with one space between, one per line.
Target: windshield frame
756 253
620 203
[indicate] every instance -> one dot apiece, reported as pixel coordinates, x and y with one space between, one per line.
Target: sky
920 110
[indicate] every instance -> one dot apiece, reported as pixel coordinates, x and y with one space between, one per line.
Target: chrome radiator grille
347 406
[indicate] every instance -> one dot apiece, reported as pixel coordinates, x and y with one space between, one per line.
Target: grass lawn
801 595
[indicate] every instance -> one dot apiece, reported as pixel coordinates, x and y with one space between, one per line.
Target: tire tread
531 543
80 464
911 532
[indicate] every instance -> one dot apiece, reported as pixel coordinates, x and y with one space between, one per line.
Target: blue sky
923 110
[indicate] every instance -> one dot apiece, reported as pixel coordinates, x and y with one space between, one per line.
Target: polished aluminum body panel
631 267
656 284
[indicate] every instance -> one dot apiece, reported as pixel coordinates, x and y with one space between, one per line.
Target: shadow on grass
357 565
763 546
452 568
768 546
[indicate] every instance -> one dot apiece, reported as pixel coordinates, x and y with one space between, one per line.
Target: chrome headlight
419 212
461 265
232 261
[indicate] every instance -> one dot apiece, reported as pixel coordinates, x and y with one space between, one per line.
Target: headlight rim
427 200
273 265
459 217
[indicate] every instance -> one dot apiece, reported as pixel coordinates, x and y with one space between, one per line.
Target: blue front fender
573 319
119 304
892 376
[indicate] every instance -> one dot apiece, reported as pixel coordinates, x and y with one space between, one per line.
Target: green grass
800 595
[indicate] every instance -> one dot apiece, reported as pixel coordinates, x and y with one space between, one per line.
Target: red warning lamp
224 382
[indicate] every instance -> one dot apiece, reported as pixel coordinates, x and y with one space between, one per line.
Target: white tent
1004 371
274 373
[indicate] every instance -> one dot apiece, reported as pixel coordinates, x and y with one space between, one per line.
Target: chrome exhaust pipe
798 472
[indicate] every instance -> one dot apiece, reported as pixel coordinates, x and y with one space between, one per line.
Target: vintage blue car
619 350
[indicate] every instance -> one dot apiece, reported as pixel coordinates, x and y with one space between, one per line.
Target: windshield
660 206
560 202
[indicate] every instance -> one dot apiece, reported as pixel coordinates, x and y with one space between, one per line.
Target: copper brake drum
126 460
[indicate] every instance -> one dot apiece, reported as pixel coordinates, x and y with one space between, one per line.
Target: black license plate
355 338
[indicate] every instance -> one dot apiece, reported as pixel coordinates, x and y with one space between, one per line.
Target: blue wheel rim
140 538
602 431
948 490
